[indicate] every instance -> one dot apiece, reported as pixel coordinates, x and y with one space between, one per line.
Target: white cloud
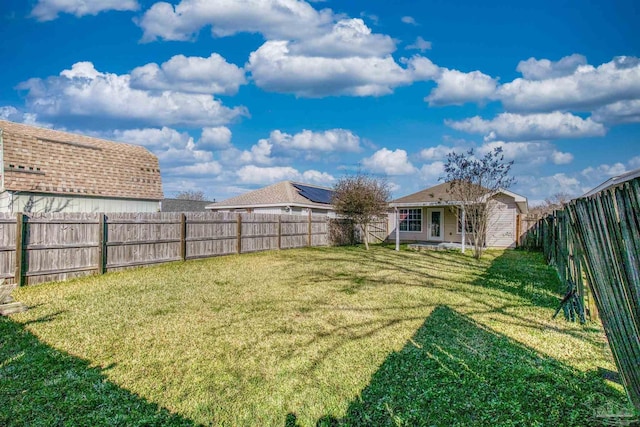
274 68
389 162
456 88
560 183
215 137
432 172
48 10
12 114
205 168
259 153
212 75
329 140
171 147
314 176
534 69
266 175
634 162
604 171
348 37
530 127
275 19
84 92
560 158
409 20
439 152
420 44
528 153
618 112
586 88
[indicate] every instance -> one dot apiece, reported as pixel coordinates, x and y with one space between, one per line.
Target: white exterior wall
14 203
279 210
501 229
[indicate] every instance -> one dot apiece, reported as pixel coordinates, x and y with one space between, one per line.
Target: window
410 219
469 220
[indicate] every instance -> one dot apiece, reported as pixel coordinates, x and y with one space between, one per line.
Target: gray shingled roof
436 194
39 160
279 194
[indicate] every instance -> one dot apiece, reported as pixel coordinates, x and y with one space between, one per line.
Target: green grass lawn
318 336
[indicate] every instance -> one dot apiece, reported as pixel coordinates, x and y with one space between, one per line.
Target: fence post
279 231
239 233
309 228
183 236
102 243
20 259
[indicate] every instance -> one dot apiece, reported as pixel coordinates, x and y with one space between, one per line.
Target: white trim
421 221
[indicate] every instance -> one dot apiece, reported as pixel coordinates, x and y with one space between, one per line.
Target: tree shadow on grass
41 386
456 372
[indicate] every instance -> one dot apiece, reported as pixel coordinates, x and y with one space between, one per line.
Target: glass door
436 224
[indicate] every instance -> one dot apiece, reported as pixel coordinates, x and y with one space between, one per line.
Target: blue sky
233 95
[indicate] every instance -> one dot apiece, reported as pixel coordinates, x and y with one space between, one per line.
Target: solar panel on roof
317 195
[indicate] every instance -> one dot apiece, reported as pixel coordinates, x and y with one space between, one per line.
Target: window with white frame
410 219
469 219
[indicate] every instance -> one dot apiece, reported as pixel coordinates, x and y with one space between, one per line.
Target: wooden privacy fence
599 237
38 248
556 238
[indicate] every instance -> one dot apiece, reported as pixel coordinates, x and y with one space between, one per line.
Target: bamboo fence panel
607 225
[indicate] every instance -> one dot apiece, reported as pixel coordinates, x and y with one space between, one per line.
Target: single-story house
45 170
432 215
284 197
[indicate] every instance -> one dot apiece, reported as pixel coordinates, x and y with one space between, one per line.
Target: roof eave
270 205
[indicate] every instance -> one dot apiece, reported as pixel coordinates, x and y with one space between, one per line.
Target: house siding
501 230
13 203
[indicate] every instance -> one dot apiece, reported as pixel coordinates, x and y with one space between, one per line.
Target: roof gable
440 195
284 193
48 161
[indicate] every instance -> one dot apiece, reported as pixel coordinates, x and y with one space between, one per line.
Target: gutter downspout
464 227
397 229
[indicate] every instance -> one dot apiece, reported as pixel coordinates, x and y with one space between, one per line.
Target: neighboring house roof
39 160
440 195
285 193
184 205
616 180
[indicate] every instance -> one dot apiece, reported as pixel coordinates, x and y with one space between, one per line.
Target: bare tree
550 204
191 195
361 198
472 182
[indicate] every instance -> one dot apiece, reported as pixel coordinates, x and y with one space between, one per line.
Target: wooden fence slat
20 234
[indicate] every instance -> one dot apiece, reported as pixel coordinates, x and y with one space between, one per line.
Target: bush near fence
344 231
595 244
